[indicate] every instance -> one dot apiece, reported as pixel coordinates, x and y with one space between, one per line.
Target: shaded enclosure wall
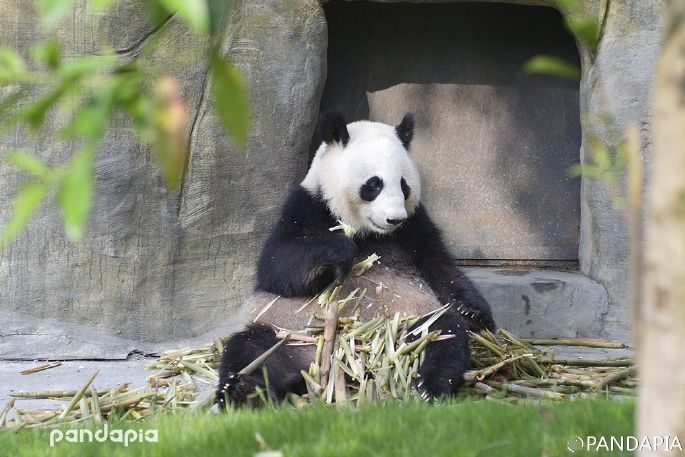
494 145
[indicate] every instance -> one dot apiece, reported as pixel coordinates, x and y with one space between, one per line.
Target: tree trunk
660 321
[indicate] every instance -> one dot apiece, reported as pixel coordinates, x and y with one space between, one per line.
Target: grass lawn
466 428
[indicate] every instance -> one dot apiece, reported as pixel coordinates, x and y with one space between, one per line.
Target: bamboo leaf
25 203
75 193
99 6
11 65
586 29
217 12
52 11
34 114
555 66
194 12
230 99
49 54
27 162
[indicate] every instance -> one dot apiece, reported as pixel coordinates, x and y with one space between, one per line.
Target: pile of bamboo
356 362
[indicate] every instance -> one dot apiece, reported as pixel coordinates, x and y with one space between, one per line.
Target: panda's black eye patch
406 190
371 188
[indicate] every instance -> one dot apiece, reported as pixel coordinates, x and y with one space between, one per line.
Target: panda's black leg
239 351
445 361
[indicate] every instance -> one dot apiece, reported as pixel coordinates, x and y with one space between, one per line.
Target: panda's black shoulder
305 210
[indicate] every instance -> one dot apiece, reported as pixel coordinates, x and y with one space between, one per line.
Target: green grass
467 428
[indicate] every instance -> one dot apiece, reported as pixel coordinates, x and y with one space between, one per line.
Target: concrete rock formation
159 268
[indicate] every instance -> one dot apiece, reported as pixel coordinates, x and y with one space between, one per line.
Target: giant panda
362 174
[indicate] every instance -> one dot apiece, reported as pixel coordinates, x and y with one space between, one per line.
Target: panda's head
364 172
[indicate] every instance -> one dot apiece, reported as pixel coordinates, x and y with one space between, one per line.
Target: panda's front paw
236 390
340 251
331 263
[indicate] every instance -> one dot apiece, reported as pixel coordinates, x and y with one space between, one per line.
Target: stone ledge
543 303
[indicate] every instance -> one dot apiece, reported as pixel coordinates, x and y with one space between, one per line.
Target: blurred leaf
99 6
8 104
25 203
34 114
600 154
126 85
552 66
141 110
27 162
11 65
91 120
75 193
194 12
81 66
230 99
52 11
565 3
156 12
49 54
575 170
217 12
171 119
586 29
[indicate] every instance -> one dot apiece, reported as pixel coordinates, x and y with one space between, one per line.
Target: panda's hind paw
431 390
236 390
478 319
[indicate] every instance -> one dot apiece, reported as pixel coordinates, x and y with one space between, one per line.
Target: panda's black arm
302 256
422 239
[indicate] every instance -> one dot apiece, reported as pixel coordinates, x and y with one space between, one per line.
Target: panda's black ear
405 131
332 128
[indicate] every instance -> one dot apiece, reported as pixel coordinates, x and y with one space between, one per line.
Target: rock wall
158 267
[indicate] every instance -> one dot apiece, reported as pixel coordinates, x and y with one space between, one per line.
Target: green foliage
93 89
194 12
75 193
552 66
607 162
25 203
608 159
583 27
230 98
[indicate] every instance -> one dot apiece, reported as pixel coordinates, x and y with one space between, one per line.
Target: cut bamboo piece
79 394
43 367
530 391
329 333
583 342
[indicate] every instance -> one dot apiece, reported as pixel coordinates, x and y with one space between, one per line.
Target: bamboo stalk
340 388
95 401
614 377
77 397
43 367
530 391
589 363
6 409
582 342
256 363
329 333
479 375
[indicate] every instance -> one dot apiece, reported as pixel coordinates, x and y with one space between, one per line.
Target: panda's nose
395 221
